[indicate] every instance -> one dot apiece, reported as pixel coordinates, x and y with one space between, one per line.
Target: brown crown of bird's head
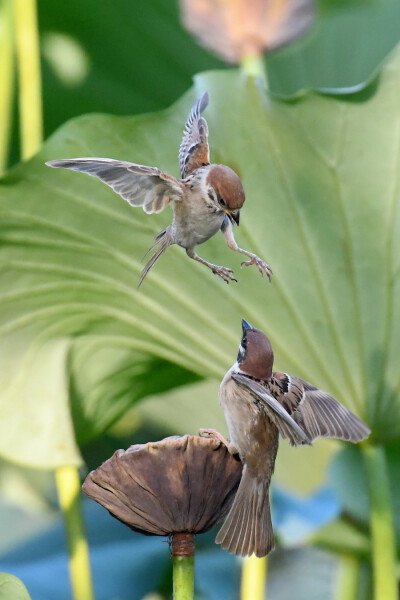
228 186
256 356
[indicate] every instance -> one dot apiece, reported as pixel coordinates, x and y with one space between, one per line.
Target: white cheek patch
241 354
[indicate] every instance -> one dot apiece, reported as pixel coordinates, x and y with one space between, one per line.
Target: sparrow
259 405
206 199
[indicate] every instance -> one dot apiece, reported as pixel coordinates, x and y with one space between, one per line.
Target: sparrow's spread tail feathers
248 527
162 241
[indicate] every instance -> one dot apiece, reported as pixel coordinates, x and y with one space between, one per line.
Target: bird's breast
194 222
250 430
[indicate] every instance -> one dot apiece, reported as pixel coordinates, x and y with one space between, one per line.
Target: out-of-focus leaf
18 524
342 537
217 574
6 79
320 176
130 56
347 478
12 588
122 57
36 417
127 565
334 55
304 574
296 519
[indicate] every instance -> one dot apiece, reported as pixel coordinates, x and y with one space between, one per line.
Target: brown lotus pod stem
183 544
182 551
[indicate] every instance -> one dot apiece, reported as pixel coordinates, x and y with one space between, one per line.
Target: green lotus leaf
12 588
334 55
110 379
348 478
321 175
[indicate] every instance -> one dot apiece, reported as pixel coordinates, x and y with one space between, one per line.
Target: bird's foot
216 435
224 272
260 264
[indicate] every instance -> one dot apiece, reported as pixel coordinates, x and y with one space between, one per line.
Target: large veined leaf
129 56
111 379
321 177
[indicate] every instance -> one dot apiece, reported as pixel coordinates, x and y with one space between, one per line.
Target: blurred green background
89 364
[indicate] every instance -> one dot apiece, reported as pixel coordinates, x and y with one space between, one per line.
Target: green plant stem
349 571
254 65
69 487
183 578
6 79
381 523
254 578
29 77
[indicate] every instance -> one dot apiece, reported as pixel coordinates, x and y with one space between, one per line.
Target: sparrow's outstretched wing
194 151
316 412
286 425
147 187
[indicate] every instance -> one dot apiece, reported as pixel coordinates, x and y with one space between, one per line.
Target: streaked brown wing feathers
194 150
148 187
286 425
321 415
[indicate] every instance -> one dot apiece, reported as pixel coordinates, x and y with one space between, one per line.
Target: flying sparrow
206 199
260 404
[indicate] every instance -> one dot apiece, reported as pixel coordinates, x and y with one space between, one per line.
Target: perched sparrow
259 405
208 198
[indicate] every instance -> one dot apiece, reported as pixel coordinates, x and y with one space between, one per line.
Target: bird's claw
213 433
224 272
260 264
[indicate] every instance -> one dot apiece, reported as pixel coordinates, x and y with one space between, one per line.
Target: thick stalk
254 578
69 487
29 77
349 571
6 79
383 547
182 550
254 65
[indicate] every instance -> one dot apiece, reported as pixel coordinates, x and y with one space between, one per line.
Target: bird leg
254 259
224 272
218 436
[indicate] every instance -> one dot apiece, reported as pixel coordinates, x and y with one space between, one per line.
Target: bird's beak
233 216
245 326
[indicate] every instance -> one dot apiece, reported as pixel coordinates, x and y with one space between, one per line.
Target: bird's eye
244 342
222 202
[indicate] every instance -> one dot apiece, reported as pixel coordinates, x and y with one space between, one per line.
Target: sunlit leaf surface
321 176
